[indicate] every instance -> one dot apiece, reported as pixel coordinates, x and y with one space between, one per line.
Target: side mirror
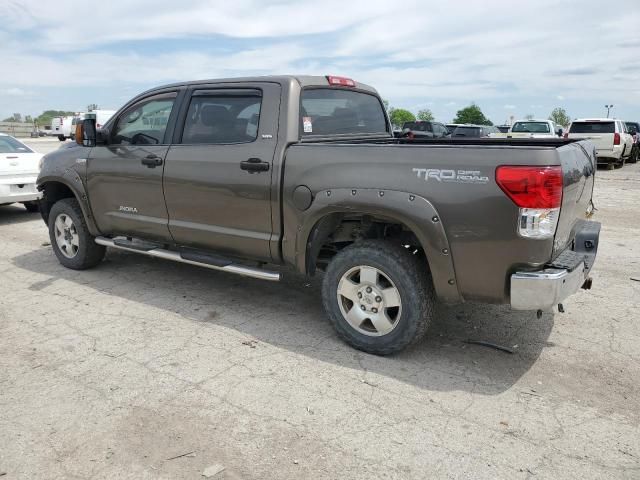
559 132
633 131
86 133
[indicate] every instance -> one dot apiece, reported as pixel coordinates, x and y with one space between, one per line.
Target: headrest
212 115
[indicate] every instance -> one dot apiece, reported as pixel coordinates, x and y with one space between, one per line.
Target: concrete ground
143 368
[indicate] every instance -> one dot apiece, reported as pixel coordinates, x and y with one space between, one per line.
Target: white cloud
509 107
14 92
485 52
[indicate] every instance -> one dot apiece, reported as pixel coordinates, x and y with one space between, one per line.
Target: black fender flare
414 211
71 179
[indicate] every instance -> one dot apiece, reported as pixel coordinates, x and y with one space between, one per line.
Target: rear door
218 172
124 176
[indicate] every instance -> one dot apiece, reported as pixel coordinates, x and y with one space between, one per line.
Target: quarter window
145 123
221 118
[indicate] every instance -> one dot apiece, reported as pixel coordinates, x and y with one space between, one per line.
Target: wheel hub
369 300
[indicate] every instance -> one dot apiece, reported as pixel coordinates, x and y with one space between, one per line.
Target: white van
61 127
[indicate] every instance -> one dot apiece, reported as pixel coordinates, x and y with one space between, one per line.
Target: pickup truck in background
534 129
610 136
248 175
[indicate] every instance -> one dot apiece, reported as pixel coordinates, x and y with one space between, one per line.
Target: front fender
67 166
414 211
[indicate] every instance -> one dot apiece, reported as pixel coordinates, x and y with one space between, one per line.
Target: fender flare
72 180
412 210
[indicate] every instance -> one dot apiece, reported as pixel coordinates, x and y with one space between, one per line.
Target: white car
534 129
609 135
19 168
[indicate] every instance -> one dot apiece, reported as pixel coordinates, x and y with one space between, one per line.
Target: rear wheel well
52 193
339 230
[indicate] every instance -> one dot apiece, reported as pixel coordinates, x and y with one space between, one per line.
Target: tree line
470 114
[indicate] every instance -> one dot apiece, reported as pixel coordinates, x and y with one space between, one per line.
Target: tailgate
603 141
578 163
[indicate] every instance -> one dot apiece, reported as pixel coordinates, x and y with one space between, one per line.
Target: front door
218 174
124 176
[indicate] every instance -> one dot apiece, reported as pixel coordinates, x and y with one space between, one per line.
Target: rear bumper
543 289
19 190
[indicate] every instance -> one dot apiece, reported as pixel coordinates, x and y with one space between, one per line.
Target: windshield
418 126
326 111
592 127
11 145
530 127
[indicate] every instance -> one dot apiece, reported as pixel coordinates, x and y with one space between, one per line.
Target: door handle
253 165
152 161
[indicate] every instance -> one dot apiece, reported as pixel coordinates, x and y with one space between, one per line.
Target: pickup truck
251 175
534 129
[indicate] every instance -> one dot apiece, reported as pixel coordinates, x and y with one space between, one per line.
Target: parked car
634 131
534 129
612 141
61 127
395 224
474 131
452 126
19 166
425 129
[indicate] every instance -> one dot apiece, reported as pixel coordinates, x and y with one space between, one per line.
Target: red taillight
342 81
531 187
566 135
616 139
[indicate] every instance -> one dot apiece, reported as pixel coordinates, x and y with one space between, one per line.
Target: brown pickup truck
241 174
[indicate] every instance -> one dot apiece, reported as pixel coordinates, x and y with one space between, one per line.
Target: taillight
566 135
342 81
616 139
538 193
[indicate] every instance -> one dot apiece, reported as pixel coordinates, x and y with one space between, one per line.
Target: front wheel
61 138
378 296
71 240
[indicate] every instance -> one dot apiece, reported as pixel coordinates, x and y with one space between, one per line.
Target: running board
175 256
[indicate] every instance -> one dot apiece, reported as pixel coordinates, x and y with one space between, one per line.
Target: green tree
386 104
399 116
559 115
425 115
46 116
16 117
28 119
472 114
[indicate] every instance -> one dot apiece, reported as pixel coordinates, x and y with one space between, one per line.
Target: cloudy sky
512 58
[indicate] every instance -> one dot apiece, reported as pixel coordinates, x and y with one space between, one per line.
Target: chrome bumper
544 289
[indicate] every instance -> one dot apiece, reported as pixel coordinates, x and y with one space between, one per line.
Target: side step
192 259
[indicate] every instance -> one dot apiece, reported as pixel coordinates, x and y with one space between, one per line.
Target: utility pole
608 107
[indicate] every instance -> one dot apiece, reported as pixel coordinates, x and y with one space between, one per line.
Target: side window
220 118
144 123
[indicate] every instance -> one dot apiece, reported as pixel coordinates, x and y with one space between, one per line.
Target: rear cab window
530 127
593 127
467 132
337 111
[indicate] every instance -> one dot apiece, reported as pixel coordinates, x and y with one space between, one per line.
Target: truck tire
31 207
61 138
71 241
378 296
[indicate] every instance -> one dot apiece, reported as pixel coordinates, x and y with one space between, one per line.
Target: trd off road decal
453 176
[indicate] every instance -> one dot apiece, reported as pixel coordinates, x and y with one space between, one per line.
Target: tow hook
587 283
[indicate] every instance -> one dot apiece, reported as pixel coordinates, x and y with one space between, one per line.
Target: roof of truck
302 80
